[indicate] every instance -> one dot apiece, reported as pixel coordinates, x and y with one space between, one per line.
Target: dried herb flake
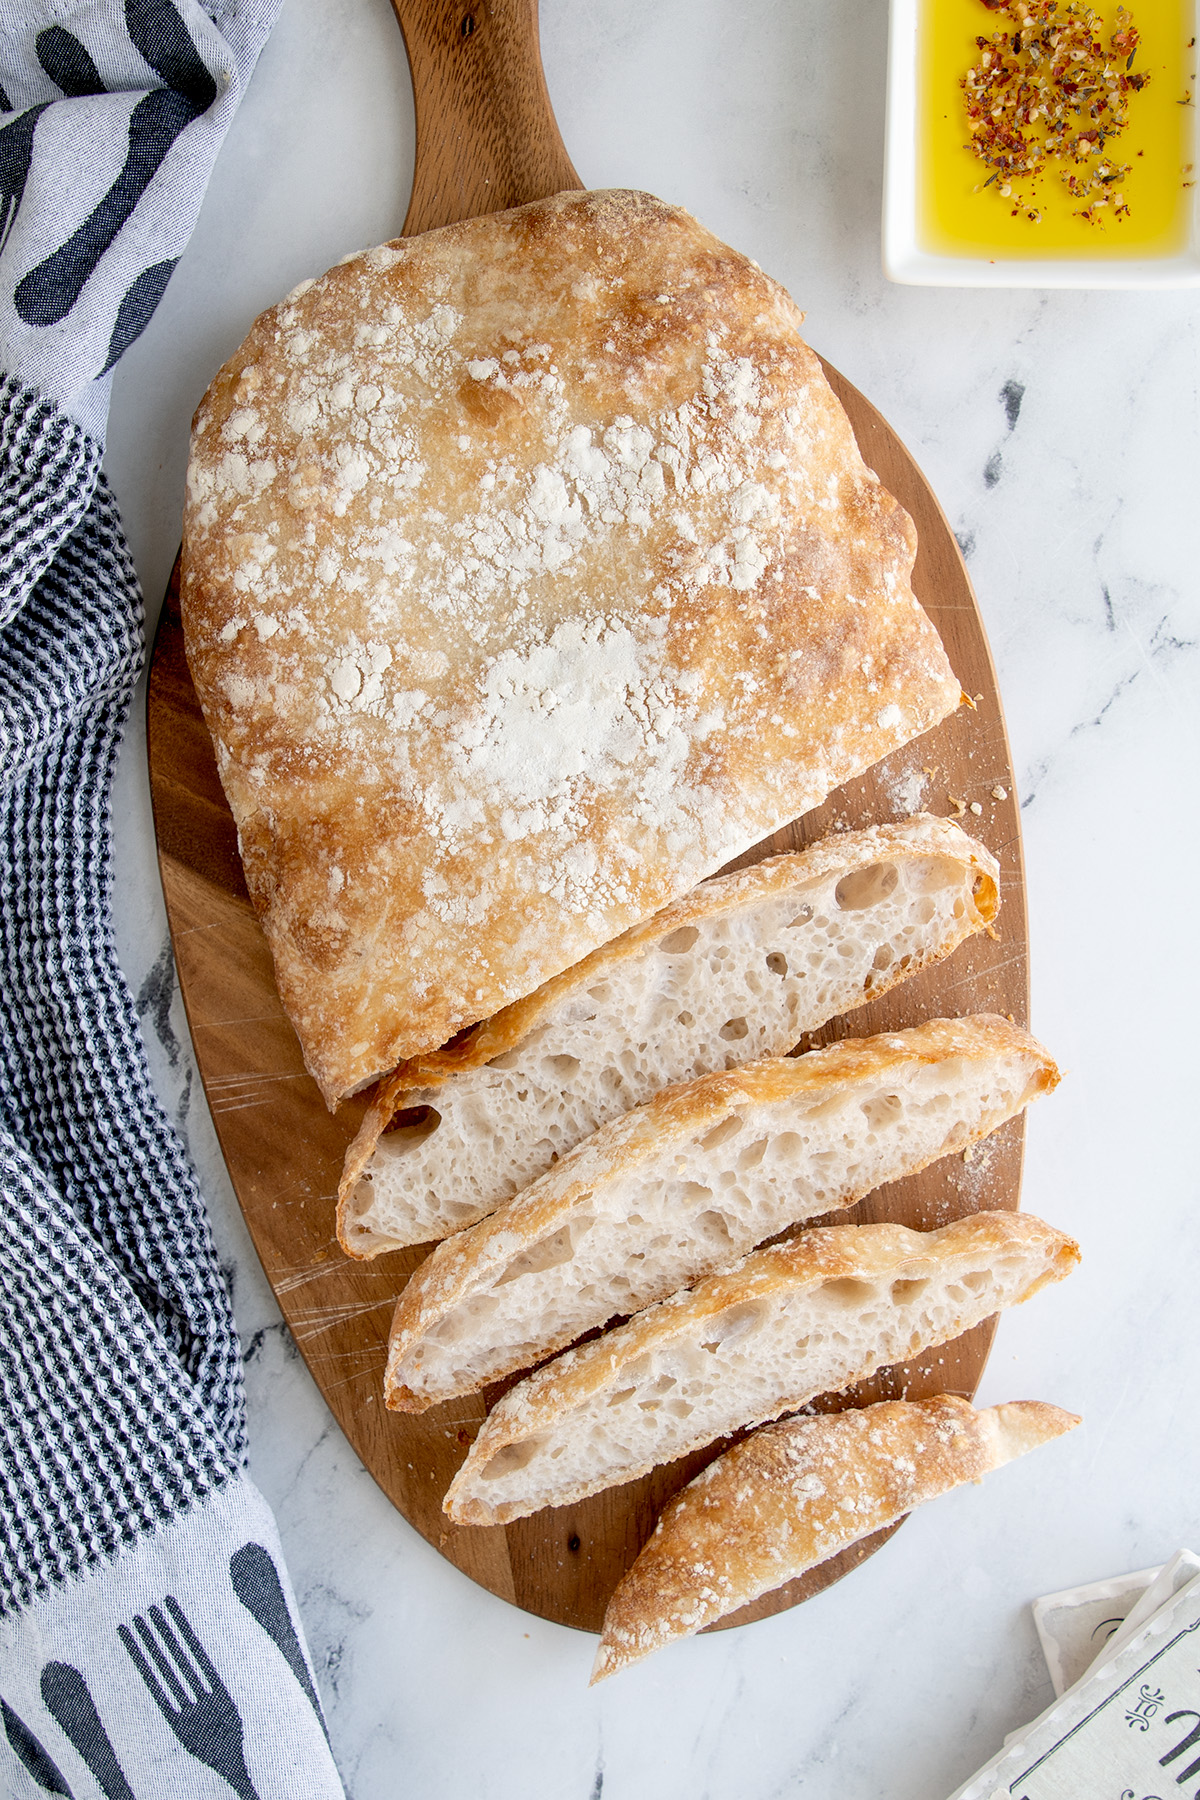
1048 96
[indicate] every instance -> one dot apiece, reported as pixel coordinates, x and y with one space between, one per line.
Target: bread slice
738 969
792 1321
685 1185
793 1495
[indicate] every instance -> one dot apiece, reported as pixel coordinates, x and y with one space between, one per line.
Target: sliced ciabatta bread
739 969
685 1185
792 1321
794 1494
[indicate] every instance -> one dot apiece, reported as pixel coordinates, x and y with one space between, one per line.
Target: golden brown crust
531 572
794 1494
921 835
464 1262
836 1252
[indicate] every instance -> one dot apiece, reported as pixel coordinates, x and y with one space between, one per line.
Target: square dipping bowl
943 228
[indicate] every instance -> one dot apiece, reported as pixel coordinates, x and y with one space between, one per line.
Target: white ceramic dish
909 255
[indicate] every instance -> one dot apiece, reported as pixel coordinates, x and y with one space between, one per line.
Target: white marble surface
1079 510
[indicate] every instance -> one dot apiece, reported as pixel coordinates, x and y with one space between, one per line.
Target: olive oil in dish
961 213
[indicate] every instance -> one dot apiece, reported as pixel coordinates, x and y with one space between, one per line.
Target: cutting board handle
486 133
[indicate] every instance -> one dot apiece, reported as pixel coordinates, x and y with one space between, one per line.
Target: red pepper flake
1046 95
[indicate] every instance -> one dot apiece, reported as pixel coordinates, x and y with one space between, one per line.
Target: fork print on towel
188 1692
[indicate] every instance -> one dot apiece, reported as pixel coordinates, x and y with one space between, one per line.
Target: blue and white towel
149 1641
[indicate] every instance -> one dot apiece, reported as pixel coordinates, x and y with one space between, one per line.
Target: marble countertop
1060 432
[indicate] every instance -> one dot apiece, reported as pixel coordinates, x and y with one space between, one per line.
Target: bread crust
545 1399
465 1264
922 835
794 1494
531 573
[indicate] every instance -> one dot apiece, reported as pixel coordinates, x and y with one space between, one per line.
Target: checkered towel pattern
148 1640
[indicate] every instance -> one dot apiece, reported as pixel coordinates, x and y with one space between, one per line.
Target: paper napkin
1130 1724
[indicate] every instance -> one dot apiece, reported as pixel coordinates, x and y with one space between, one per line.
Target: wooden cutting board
486 139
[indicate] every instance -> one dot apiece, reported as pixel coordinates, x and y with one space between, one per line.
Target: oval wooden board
284 1150
486 138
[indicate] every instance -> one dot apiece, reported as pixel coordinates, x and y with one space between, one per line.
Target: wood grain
486 139
486 134
284 1150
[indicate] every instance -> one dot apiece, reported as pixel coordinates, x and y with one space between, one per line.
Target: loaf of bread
795 1320
531 573
738 969
684 1186
794 1494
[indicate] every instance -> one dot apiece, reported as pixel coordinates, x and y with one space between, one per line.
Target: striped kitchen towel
149 1639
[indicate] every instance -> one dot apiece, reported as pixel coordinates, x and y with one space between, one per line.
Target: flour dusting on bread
531 572
792 1495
